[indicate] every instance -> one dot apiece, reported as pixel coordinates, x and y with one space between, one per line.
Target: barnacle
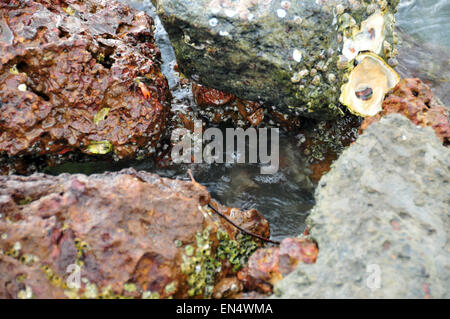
170 288
203 263
28 259
150 295
91 291
101 115
15 250
99 147
367 85
70 11
77 242
21 278
56 280
26 293
84 246
14 70
47 271
130 287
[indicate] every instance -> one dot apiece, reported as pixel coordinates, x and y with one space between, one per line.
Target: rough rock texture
79 75
218 107
383 209
267 266
133 234
284 52
414 99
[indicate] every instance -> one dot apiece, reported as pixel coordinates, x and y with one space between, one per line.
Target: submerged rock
81 75
132 234
293 54
381 220
414 99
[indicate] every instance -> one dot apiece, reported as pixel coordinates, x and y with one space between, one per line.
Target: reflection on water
283 198
428 20
428 62
424 48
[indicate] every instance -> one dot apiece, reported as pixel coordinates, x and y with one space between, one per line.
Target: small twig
231 222
242 229
191 176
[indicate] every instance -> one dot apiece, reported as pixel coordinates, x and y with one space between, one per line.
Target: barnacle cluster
53 277
16 252
235 251
82 247
200 265
28 260
360 27
86 289
202 261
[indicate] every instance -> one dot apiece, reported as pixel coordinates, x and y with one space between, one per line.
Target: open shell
367 85
370 37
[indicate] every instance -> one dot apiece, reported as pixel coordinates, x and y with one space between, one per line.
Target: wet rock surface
267 266
287 53
414 99
133 234
381 210
79 75
219 107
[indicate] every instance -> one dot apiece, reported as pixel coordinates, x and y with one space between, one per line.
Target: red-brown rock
267 266
79 75
133 234
218 107
414 99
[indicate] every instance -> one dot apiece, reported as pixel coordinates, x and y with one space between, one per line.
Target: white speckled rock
289 53
383 209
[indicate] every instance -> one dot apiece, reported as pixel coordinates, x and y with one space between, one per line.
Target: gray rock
289 53
383 209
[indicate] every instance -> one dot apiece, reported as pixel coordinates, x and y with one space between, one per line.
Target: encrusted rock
219 107
131 234
267 266
293 54
79 75
381 219
414 99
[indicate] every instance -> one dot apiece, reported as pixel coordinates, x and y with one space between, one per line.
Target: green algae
202 263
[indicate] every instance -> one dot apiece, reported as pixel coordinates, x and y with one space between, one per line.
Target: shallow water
427 20
286 197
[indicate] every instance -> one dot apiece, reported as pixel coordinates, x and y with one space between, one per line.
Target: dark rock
79 75
383 209
133 234
288 53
